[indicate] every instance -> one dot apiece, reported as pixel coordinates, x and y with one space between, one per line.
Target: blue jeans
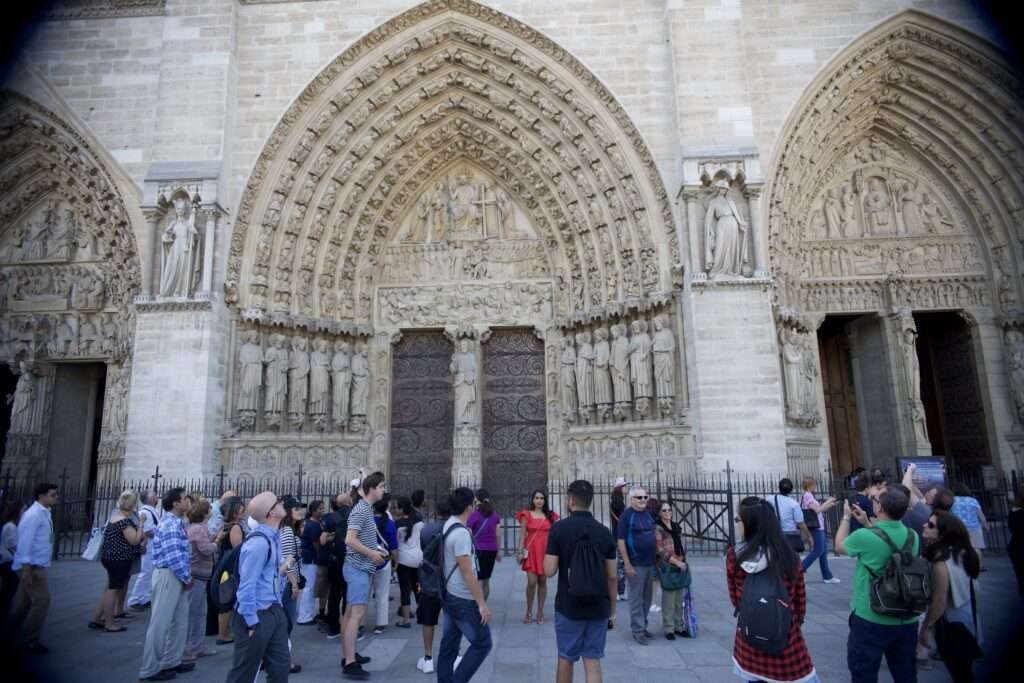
819 553
291 607
867 643
462 618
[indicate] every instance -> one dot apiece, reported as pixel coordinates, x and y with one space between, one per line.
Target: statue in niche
664 350
725 235
23 401
620 371
640 366
420 230
298 382
464 368
833 219
360 386
792 369
910 207
877 208
912 372
849 204
465 213
603 396
568 376
180 241
319 383
933 216
250 378
585 376
341 369
1015 365
276 360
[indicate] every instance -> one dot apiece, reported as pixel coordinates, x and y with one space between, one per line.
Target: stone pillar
150 250
692 196
759 236
209 234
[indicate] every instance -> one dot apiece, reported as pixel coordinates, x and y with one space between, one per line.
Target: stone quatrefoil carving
902 163
446 81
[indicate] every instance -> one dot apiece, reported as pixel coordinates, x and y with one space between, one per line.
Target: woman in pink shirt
810 504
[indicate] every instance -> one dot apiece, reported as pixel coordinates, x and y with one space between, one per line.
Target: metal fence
704 505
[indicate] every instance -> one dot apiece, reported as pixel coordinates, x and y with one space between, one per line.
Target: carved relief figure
725 235
664 349
23 401
877 208
421 221
568 375
341 369
585 376
809 381
792 368
910 207
933 216
464 367
640 366
833 219
250 379
276 360
849 204
464 210
360 386
1015 365
298 382
603 395
620 371
439 213
59 241
319 383
180 241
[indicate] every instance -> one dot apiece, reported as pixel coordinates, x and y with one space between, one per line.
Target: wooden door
840 402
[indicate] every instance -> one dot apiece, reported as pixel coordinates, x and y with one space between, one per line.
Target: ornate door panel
422 414
514 419
840 402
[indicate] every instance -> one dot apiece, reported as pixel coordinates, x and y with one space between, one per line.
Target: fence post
728 499
220 481
299 475
156 479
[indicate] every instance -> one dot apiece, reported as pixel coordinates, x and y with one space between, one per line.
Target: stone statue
585 376
59 243
1015 365
464 210
464 367
834 221
809 377
298 382
725 235
341 369
568 376
792 368
849 211
439 213
250 378
88 336
640 366
180 246
276 359
23 402
933 217
360 386
664 349
320 383
420 228
604 398
910 207
912 372
877 208
621 372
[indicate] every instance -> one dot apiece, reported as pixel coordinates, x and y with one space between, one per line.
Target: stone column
691 195
759 237
209 234
149 250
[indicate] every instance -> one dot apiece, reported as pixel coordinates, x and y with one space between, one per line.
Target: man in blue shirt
638 549
259 624
32 561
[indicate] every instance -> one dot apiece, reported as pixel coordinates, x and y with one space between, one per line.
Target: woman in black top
121 537
235 530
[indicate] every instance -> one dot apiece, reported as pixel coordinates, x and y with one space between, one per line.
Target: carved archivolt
902 163
444 81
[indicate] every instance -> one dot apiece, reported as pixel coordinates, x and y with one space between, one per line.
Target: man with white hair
637 546
142 591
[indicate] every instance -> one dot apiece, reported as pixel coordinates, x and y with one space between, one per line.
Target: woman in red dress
764 549
533 542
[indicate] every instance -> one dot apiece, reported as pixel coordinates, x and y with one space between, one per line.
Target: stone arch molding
448 80
897 181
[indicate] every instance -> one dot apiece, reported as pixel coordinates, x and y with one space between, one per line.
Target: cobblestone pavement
521 652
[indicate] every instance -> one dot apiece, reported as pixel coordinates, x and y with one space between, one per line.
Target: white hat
355 483
621 481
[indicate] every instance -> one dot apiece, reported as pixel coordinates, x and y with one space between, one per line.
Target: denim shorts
580 638
357 582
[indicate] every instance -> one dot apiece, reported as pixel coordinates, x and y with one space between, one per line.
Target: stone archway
450 104
895 189
69 270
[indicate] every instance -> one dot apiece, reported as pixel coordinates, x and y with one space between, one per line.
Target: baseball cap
355 483
290 502
621 481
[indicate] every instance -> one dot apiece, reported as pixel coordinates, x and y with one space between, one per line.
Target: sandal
116 629
528 619
124 615
540 618
96 625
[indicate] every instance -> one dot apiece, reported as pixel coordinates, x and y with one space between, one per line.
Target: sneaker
639 638
621 597
355 671
670 636
379 630
425 665
332 635
683 634
655 608
648 635
206 653
834 579
160 676
362 659
457 660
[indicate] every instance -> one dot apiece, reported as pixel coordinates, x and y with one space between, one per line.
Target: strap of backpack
444 537
974 607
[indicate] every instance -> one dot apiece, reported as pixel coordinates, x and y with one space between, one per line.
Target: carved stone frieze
106 9
271 458
513 303
633 454
918 293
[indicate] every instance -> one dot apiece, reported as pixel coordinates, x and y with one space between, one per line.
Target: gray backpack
903 589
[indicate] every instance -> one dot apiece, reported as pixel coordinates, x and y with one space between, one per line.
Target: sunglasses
737 520
640 497
930 525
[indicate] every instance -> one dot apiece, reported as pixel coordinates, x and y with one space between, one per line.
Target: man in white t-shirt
791 517
142 591
465 610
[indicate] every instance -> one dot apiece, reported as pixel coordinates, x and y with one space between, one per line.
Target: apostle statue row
604 379
330 388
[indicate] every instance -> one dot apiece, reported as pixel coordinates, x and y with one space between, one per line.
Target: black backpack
765 615
587 580
224 581
337 548
432 569
903 589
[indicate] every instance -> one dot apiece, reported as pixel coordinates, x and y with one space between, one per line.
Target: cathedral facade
510 241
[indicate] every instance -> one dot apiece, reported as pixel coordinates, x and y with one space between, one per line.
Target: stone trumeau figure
464 368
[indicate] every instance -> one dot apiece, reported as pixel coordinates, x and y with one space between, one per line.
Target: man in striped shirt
172 579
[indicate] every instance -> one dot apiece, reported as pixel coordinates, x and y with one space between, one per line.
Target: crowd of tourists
248 573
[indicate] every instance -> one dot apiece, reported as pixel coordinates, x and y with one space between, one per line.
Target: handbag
673 578
92 548
954 638
811 519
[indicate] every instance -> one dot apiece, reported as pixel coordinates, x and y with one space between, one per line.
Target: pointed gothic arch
444 80
915 100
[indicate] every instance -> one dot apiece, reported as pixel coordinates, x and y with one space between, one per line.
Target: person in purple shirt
484 522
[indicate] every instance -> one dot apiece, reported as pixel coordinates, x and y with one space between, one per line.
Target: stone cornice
107 9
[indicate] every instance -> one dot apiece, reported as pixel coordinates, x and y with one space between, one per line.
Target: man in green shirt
873 635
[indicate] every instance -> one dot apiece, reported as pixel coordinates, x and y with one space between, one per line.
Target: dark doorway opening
8 383
76 422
